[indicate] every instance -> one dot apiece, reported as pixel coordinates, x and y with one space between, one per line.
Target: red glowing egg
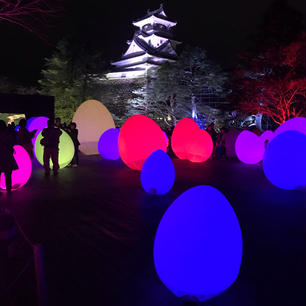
181 136
200 147
139 137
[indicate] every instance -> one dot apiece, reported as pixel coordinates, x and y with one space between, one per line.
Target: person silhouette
73 132
24 137
7 160
50 141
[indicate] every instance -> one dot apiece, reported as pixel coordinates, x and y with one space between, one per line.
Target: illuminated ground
97 227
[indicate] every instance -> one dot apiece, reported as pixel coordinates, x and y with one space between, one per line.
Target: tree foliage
176 88
271 77
31 15
69 76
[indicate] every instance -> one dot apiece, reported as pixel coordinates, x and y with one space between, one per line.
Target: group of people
219 149
51 139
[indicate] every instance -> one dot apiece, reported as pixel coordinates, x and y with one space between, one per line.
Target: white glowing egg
92 119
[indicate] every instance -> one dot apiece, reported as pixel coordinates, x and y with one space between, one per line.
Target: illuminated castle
151 46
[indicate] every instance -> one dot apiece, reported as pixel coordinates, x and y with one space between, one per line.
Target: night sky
221 27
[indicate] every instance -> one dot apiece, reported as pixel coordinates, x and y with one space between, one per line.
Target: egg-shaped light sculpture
181 136
157 174
200 147
38 124
198 244
108 144
249 147
21 175
294 124
92 119
284 162
139 137
66 150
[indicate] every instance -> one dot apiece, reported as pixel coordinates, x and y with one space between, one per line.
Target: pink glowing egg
181 136
200 147
139 137
38 124
23 173
249 148
294 124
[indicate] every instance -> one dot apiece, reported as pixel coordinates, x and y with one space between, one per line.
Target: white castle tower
151 46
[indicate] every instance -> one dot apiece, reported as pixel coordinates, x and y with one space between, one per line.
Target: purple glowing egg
294 124
108 144
249 148
38 124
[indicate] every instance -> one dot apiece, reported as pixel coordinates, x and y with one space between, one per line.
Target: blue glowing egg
198 244
108 144
157 174
284 162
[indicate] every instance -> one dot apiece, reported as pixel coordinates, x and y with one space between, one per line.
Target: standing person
211 131
50 141
73 132
24 137
220 145
7 160
58 123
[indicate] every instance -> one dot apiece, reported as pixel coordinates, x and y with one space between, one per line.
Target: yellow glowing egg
66 150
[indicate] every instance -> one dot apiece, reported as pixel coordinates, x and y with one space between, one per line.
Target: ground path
97 227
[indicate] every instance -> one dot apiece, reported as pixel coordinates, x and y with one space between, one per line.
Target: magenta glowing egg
23 173
181 136
294 124
108 144
139 137
249 147
38 123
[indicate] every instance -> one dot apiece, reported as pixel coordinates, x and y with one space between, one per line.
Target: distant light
66 150
138 138
108 144
23 173
284 162
249 147
198 244
157 174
